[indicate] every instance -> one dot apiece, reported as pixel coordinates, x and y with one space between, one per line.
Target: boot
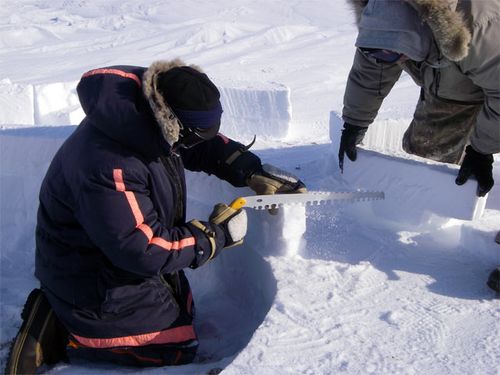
40 340
494 280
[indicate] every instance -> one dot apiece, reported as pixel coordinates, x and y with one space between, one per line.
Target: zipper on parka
169 165
178 191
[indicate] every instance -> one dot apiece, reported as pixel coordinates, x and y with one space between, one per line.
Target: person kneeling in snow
112 239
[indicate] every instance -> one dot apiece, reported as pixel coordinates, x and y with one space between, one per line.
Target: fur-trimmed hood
164 115
447 25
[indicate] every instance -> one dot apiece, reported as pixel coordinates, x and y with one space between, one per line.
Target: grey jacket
462 66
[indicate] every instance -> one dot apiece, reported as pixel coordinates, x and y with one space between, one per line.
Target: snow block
16 103
57 104
435 180
250 109
47 104
386 137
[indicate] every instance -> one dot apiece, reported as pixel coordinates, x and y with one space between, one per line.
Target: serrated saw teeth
266 202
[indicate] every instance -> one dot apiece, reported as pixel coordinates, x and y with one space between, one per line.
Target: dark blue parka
111 237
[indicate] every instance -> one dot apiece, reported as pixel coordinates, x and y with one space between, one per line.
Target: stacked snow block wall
16 103
45 104
249 109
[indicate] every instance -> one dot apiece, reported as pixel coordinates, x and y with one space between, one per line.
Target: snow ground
387 287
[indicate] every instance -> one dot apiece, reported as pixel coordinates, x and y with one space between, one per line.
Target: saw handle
238 203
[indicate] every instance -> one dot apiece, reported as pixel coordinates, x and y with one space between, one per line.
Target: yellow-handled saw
265 202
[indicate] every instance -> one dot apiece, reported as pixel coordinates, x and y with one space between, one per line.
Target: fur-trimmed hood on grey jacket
446 23
462 64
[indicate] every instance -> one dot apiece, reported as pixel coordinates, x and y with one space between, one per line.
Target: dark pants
148 355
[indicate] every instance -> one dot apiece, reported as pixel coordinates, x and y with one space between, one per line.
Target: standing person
451 50
112 238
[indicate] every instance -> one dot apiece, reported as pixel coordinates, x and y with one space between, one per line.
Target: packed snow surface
376 287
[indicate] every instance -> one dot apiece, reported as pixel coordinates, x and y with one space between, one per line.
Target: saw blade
264 202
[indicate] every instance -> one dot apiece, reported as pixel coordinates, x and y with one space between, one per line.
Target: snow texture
383 287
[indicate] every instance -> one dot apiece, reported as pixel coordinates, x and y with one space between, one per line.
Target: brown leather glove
273 180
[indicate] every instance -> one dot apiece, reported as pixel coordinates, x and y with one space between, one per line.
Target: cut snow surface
384 287
421 182
251 109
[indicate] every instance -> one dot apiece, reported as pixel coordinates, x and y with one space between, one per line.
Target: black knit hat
192 96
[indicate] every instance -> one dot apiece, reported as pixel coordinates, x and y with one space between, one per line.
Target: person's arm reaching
368 84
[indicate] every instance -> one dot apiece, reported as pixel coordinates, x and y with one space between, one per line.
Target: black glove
233 223
352 135
479 165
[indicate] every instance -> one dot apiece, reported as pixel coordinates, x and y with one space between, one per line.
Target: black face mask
191 137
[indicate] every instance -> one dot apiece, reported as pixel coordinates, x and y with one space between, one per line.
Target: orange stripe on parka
167 336
117 72
139 218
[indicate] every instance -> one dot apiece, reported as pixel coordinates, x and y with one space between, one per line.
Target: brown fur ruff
164 115
448 26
